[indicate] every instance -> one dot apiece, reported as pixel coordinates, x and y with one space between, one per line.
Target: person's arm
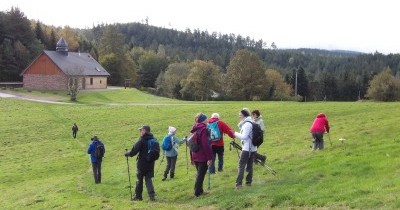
246 131
226 129
205 145
136 148
327 128
90 149
177 140
262 125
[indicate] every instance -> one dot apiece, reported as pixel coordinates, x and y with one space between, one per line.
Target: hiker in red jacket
218 146
318 128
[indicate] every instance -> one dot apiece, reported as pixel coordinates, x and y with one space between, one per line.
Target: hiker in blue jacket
172 154
96 162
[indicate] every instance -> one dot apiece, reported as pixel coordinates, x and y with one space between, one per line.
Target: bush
384 87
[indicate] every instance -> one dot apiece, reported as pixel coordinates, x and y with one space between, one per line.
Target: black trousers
217 150
201 168
97 172
171 162
74 134
149 184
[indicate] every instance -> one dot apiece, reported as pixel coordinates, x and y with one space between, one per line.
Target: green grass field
43 167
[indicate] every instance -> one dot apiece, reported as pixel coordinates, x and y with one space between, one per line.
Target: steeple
62 46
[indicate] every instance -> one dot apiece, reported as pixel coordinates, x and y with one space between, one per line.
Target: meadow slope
42 167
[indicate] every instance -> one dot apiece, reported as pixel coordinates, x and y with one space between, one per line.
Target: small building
51 70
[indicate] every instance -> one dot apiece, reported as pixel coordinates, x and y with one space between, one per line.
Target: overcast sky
365 26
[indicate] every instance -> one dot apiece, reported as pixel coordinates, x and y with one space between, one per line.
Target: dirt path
32 98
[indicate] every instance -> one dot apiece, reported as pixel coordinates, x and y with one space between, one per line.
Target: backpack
194 142
258 135
153 150
167 143
99 150
213 130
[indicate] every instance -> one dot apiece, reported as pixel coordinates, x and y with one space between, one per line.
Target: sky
365 26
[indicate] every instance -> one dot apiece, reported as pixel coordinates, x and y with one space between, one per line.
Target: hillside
43 167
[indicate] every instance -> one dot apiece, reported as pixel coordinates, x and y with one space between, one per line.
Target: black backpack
258 135
99 150
194 142
153 150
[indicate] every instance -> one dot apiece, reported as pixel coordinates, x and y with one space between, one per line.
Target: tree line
198 65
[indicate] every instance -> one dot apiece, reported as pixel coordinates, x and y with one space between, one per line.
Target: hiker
248 149
96 157
145 169
171 153
202 159
218 145
259 158
74 130
258 119
318 128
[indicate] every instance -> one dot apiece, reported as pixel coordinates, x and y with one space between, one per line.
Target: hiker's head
215 115
171 130
144 129
200 118
95 138
243 114
255 114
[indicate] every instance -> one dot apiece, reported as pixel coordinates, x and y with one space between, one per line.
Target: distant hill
313 51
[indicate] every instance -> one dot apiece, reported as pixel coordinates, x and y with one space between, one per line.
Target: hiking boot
238 187
152 198
136 198
248 184
165 176
220 170
172 175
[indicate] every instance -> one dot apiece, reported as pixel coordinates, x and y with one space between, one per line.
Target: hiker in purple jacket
202 159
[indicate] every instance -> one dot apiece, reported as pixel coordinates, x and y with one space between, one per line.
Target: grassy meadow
43 167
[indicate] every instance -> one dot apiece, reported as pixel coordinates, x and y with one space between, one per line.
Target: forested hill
146 53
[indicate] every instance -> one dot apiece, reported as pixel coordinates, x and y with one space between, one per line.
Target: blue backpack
153 150
167 143
213 130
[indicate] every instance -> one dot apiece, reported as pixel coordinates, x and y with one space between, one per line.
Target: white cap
215 115
171 129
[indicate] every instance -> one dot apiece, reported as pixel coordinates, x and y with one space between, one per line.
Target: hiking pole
159 166
187 160
129 174
209 180
329 137
272 171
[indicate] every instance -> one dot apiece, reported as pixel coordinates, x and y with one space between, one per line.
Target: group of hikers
206 144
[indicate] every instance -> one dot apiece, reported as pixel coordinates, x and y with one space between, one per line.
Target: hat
245 113
145 127
215 115
171 129
202 117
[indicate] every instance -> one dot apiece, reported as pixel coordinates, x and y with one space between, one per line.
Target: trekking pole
272 171
329 137
129 174
187 160
209 180
159 166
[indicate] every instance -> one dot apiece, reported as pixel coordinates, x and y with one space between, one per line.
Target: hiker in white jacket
248 149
